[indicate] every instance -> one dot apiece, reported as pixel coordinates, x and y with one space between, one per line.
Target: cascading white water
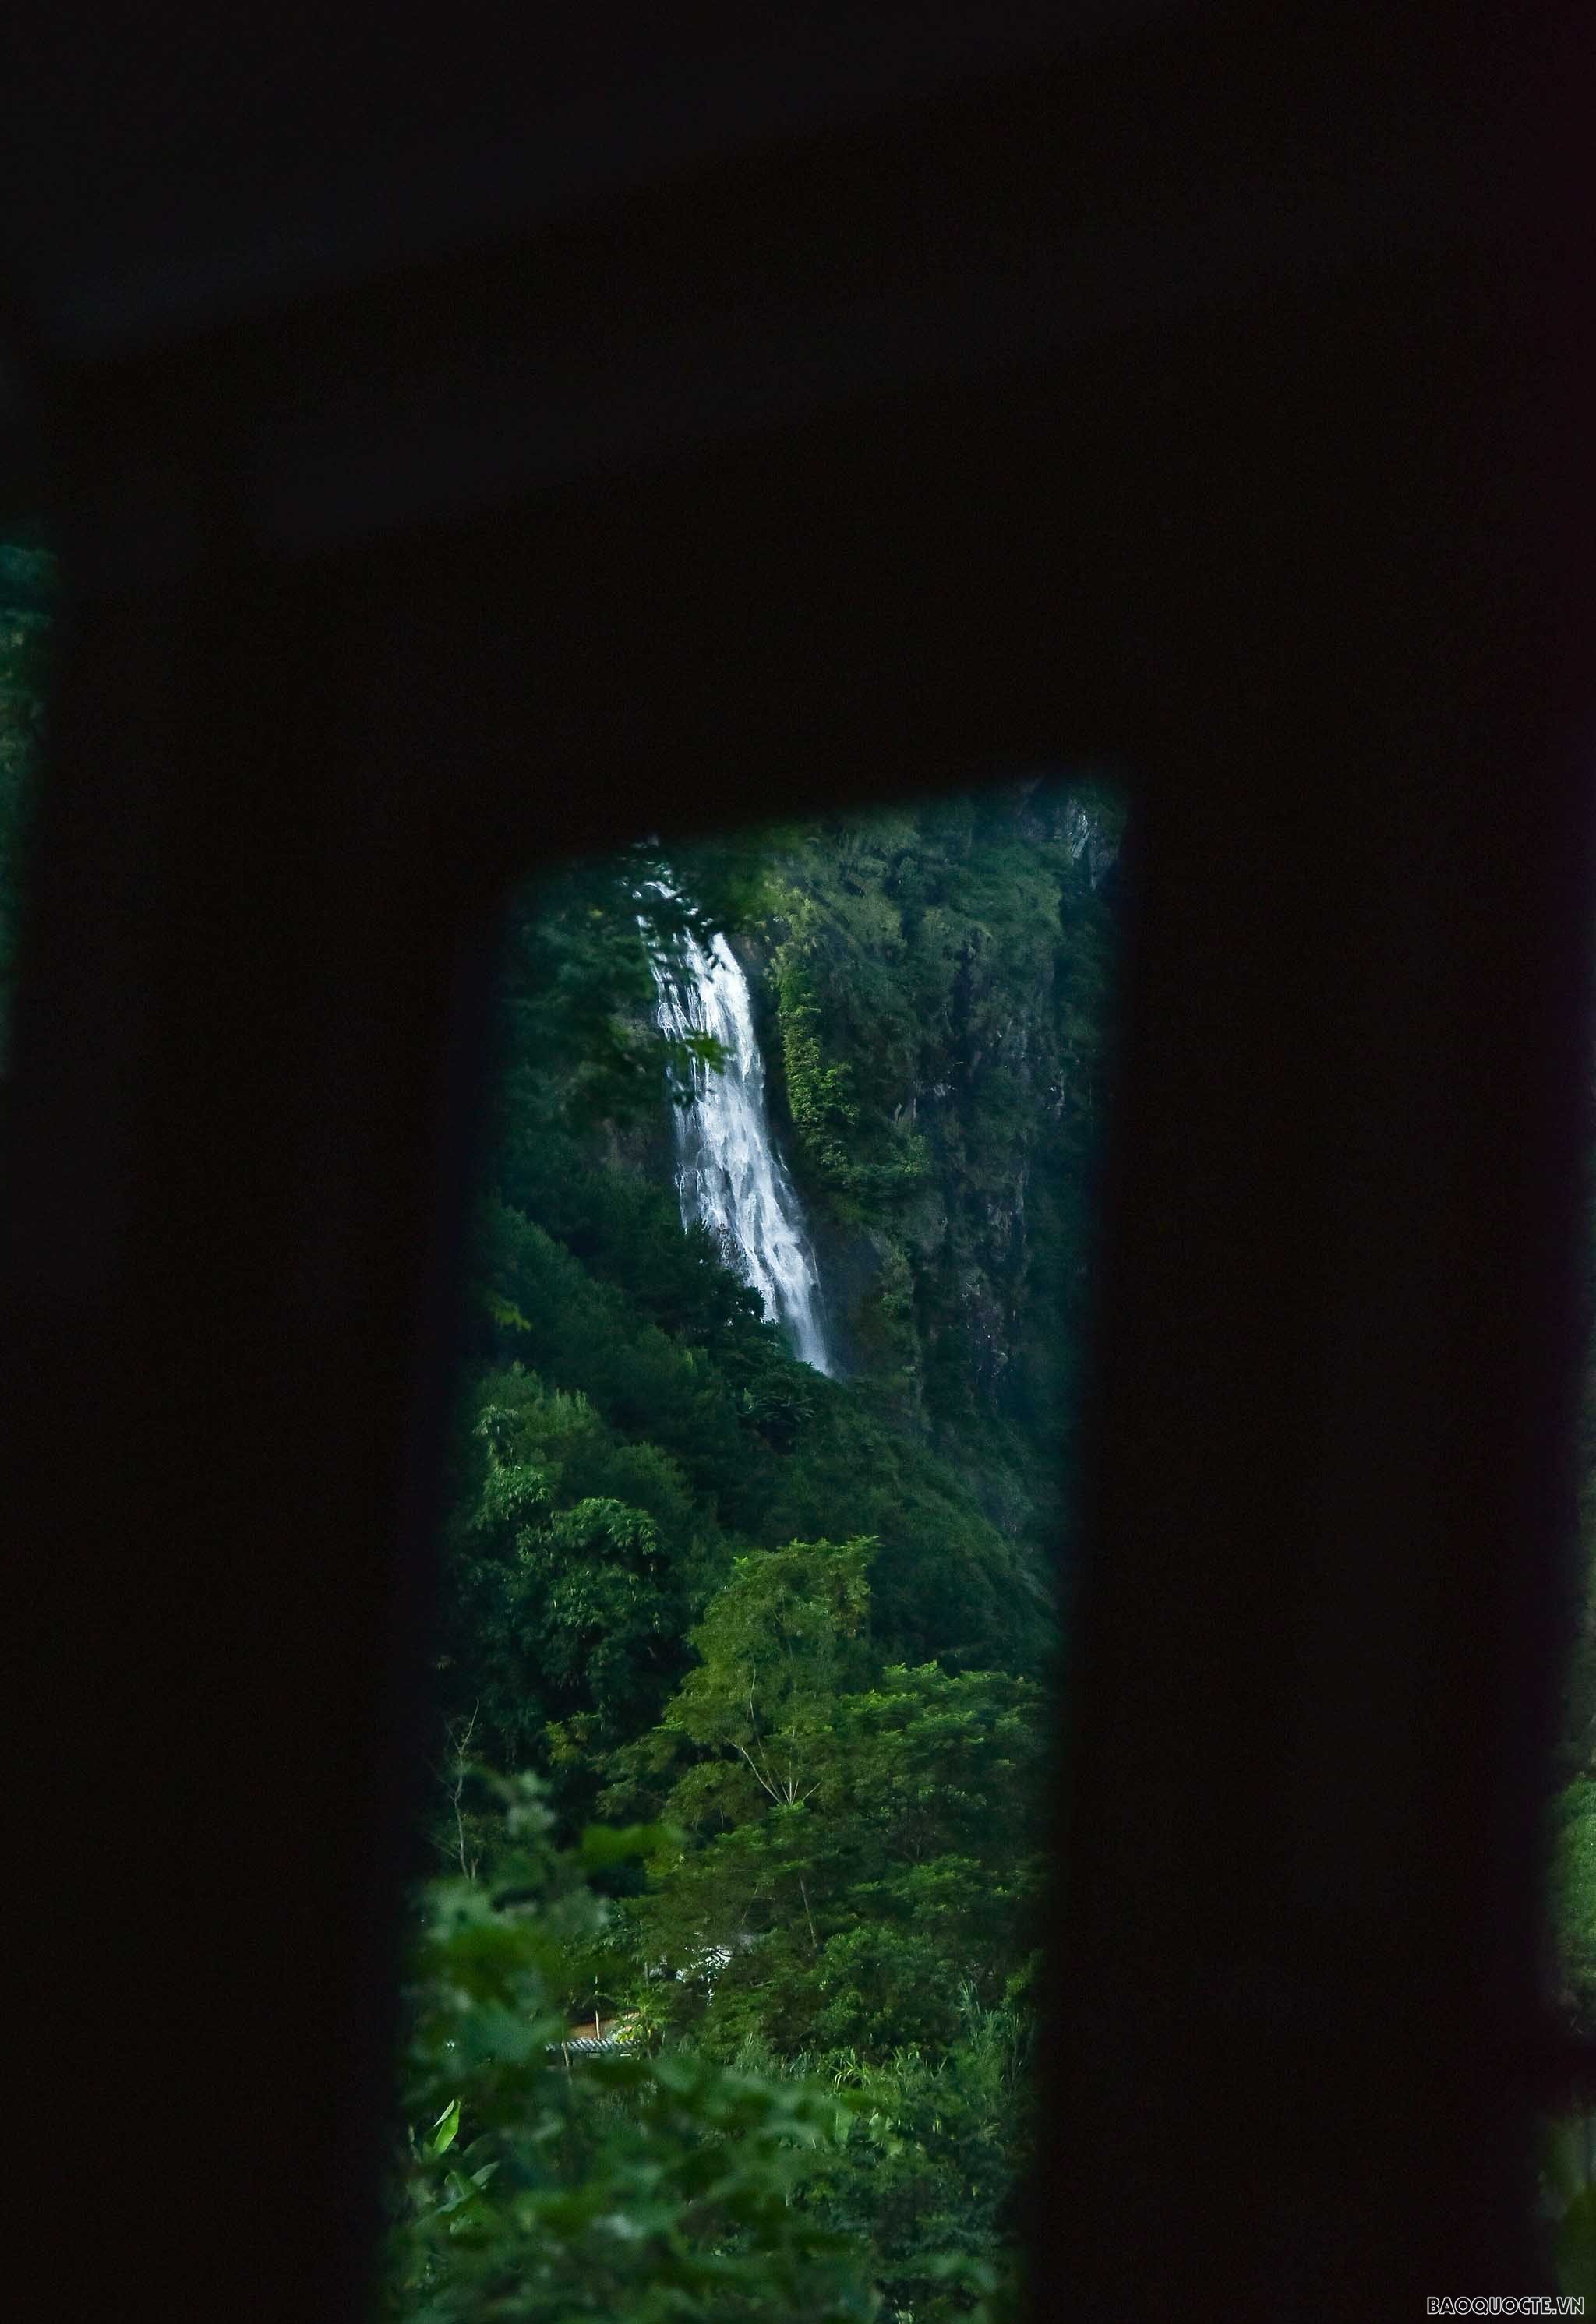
729 1176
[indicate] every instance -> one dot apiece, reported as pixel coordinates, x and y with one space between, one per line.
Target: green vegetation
857 1839
793 1633
623 2186
938 991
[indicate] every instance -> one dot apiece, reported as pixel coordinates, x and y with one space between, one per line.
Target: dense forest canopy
724 1938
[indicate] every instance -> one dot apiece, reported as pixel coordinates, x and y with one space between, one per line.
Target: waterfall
729 1176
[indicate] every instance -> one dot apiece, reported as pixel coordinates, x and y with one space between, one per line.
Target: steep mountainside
935 988
930 992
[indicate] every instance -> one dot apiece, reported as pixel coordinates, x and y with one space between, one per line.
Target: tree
569 1567
928 2172
631 2189
855 1842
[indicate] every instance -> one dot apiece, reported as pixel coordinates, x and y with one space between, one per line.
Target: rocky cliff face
933 993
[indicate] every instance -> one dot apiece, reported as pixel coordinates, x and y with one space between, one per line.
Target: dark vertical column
1317 1645
221 1271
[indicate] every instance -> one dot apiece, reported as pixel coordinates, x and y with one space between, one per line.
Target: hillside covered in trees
794 1629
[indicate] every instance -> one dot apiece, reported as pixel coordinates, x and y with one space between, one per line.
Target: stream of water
729 1176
